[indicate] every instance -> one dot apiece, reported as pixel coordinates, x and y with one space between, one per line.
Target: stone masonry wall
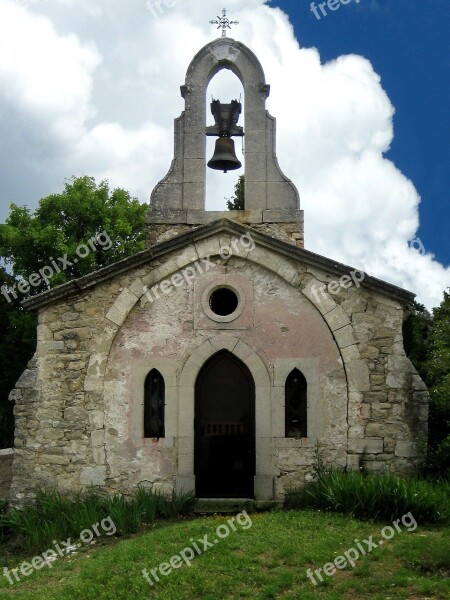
6 463
388 411
61 402
291 233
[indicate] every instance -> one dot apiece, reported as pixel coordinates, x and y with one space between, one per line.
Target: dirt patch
5 475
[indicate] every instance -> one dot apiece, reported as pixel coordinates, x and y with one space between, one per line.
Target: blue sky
408 44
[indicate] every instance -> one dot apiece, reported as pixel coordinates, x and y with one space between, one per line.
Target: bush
380 497
54 517
438 458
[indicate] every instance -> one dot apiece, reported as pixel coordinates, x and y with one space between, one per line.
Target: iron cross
224 22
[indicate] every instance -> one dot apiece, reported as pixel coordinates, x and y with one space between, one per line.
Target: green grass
266 561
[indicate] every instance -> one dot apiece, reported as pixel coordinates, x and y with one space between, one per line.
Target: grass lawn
267 560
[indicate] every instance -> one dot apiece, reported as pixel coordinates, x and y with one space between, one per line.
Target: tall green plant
55 517
382 497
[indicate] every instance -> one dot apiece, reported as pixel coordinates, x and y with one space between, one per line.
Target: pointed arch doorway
224 448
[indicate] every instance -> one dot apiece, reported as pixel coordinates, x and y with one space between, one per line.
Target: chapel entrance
224 452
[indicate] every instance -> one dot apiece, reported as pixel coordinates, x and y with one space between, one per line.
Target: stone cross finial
224 22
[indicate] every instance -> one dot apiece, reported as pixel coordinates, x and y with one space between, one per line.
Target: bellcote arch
270 197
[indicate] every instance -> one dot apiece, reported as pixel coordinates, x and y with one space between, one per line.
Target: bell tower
271 199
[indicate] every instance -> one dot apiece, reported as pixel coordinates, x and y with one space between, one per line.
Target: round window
223 302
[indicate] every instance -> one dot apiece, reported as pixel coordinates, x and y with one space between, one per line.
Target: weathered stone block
70 316
44 333
54 460
345 336
381 410
99 455
28 379
137 287
337 318
367 445
315 291
406 449
264 487
93 476
121 307
351 353
96 419
98 437
358 376
287 272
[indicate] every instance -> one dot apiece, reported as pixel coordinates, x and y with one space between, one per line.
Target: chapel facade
225 355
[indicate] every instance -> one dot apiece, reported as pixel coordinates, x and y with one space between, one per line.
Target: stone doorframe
264 478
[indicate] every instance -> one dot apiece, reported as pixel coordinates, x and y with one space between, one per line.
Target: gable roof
224 225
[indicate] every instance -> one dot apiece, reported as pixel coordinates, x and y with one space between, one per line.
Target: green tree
237 202
30 242
17 346
416 333
438 375
427 344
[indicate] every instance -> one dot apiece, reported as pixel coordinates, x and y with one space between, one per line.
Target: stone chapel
220 358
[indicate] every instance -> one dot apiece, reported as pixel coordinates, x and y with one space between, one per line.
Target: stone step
231 505
223 505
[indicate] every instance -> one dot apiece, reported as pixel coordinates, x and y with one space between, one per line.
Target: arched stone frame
309 367
266 187
154 405
356 370
263 427
141 368
296 405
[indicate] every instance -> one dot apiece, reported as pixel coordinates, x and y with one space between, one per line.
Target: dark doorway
224 455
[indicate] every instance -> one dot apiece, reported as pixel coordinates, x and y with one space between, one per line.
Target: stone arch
229 54
187 378
340 326
337 322
183 188
356 370
191 368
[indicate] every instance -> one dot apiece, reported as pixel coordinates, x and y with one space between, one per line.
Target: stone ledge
223 505
202 217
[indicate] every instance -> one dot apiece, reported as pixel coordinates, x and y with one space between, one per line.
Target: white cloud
45 75
95 91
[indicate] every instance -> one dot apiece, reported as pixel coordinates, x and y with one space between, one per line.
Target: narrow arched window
296 405
154 402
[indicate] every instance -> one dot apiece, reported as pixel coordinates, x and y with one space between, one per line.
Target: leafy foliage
17 333
416 333
55 517
438 378
237 202
30 241
381 497
427 343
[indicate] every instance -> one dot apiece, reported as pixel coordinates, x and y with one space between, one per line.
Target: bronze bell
224 158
